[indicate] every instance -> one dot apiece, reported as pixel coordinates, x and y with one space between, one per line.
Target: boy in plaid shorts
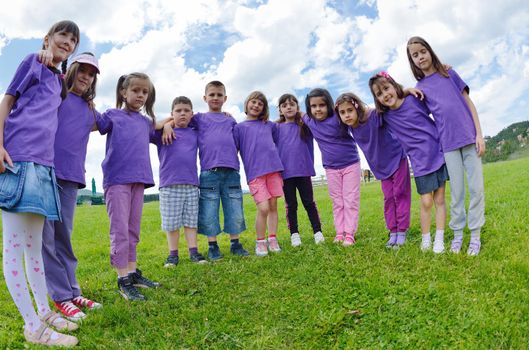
179 182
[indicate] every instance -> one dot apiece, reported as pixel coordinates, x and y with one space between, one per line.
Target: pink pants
124 207
344 189
397 198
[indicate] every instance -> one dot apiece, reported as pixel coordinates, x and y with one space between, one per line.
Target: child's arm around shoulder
104 122
414 92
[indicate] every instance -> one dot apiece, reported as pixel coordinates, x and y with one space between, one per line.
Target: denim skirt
430 182
27 187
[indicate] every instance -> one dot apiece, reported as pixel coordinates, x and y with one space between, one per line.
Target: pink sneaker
273 245
349 240
338 238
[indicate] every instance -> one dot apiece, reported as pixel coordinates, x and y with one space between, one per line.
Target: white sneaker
261 248
438 247
426 244
318 237
295 239
273 245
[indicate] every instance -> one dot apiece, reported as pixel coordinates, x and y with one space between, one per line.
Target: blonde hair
258 95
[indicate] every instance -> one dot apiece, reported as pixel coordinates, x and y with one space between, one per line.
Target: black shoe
172 261
198 258
214 253
143 282
238 249
128 291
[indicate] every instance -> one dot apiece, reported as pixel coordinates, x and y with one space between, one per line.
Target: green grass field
315 297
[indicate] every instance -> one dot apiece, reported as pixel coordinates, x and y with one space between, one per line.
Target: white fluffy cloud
281 46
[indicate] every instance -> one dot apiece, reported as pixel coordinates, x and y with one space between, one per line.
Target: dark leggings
304 186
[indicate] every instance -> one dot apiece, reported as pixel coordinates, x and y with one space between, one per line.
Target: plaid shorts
179 207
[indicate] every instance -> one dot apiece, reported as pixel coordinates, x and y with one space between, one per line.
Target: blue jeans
220 185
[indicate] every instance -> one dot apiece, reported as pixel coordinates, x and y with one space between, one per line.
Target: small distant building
319 180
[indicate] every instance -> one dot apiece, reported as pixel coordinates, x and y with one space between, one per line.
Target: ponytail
119 87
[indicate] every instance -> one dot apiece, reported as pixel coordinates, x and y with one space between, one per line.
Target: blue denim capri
27 187
220 186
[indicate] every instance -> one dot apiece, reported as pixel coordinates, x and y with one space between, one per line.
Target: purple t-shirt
338 149
383 152
178 160
29 131
417 134
215 140
297 155
76 120
127 150
444 98
256 141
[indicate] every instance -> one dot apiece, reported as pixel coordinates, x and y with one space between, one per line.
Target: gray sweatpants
458 161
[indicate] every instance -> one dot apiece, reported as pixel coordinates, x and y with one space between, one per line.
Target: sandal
349 240
43 335
56 321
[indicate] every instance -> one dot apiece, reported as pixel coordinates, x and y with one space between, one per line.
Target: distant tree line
511 139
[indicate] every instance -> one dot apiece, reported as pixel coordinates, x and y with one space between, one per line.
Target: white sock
22 233
426 236
458 235
440 235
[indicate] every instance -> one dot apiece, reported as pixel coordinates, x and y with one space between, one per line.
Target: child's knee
426 202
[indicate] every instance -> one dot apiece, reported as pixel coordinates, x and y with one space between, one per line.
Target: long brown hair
378 79
417 72
357 103
71 73
304 131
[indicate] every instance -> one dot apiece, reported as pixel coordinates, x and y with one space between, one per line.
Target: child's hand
46 57
168 134
480 145
91 105
447 66
4 157
416 92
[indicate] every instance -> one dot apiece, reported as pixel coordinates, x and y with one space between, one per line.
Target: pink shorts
266 186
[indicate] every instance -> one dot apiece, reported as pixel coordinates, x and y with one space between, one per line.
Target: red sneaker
70 311
81 301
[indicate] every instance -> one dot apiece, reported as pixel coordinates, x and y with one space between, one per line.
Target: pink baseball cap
88 59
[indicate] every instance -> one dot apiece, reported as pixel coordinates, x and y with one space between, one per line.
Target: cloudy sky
280 46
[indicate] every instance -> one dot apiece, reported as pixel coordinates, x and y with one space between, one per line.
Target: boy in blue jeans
219 174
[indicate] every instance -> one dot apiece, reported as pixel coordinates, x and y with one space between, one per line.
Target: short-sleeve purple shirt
29 131
215 140
76 120
444 98
417 134
127 150
338 149
256 141
297 154
382 151
178 160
